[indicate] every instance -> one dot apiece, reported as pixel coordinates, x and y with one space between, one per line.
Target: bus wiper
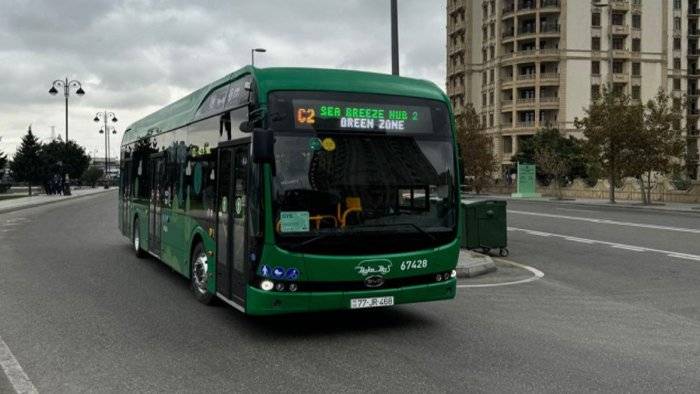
313 240
413 225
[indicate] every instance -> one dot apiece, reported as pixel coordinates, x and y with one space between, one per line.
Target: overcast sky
135 56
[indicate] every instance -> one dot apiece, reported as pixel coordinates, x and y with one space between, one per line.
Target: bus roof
182 112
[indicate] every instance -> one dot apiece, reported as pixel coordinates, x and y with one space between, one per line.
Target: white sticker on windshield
294 222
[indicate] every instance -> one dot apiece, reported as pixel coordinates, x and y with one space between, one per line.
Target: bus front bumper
261 302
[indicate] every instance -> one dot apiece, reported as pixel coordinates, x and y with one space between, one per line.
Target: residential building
529 64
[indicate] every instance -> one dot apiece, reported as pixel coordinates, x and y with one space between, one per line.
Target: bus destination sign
352 116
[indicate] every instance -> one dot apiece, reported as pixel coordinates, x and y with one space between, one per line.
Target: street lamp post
106 117
66 85
394 38
252 54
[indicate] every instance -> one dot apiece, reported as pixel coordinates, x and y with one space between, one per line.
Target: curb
38 204
692 209
471 264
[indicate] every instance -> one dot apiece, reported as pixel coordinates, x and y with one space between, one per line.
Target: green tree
91 176
658 145
611 122
560 157
476 149
3 163
64 159
26 164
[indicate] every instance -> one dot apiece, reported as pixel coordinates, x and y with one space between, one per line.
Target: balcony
506 104
525 33
694 73
549 101
458 47
620 77
454 6
549 5
508 11
525 102
549 28
620 5
508 33
693 11
694 33
620 30
693 53
456 69
528 124
620 54
526 77
549 77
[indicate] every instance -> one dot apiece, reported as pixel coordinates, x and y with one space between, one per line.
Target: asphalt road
82 314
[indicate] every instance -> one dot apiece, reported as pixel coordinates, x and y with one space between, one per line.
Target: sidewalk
621 204
14 204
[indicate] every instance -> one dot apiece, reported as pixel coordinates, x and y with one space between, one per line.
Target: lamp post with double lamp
106 117
66 85
252 54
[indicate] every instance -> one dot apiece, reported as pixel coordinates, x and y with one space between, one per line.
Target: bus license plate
374 302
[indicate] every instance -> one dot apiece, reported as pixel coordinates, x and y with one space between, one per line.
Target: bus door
155 207
231 264
125 193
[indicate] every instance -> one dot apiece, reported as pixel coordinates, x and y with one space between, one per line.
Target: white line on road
607 221
15 374
537 274
669 253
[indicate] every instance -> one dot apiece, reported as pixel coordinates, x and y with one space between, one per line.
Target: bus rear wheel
199 275
136 240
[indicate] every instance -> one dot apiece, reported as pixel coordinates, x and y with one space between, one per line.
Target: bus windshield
361 174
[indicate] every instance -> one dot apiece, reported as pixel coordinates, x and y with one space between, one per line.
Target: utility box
485 226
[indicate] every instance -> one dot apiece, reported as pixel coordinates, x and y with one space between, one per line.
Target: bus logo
374 281
373 267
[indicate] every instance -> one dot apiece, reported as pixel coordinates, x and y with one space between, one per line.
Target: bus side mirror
246 126
263 146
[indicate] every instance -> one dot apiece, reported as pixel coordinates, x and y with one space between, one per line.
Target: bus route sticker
294 221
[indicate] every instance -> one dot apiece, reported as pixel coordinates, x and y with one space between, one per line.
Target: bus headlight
267 285
453 274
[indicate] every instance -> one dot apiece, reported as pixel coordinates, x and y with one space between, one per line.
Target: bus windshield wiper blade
413 225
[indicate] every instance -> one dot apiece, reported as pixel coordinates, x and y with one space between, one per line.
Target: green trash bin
485 226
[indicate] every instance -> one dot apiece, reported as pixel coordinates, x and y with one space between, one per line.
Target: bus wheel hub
200 273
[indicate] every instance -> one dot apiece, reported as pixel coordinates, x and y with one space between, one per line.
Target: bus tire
136 239
199 275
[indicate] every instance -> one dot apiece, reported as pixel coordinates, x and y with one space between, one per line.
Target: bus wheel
199 277
136 240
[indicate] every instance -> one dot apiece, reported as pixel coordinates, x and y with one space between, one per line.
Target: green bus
284 190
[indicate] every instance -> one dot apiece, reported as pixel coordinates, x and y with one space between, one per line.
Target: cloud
135 56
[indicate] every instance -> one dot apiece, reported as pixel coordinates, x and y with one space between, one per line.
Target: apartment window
484 78
485 54
636 45
637 69
676 84
492 76
508 144
676 23
676 63
677 44
618 19
491 120
595 67
491 98
595 92
493 52
595 43
618 43
595 19
483 99
676 4
636 21
618 67
636 92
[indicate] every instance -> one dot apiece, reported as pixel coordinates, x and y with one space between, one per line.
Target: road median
16 204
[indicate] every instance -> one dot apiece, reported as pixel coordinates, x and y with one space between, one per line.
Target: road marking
14 372
607 221
536 274
635 248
